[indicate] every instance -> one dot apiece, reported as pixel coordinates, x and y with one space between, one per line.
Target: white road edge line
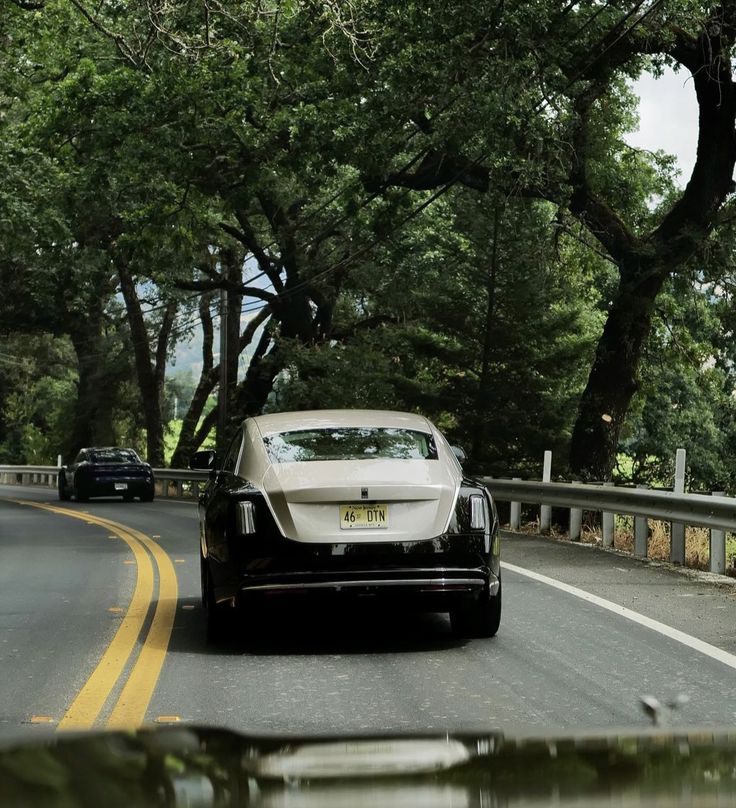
674 634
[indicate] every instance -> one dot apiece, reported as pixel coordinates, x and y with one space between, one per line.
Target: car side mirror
459 454
204 461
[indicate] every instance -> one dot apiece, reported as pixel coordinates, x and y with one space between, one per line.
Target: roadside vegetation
697 540
423 206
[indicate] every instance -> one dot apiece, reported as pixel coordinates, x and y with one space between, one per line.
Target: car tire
81 494
479 619
63 493
148 496
217 615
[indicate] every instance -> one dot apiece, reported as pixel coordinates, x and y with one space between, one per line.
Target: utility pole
222 392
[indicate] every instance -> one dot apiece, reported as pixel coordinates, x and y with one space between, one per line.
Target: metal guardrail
716 512
166 479
692 509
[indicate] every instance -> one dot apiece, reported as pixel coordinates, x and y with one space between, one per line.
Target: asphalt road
68 594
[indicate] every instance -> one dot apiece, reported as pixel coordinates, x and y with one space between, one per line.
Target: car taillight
477 513
245 518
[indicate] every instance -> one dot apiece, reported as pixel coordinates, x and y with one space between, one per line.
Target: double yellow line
130 708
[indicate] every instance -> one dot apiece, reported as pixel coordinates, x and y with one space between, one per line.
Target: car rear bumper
107 488
435 571
431 592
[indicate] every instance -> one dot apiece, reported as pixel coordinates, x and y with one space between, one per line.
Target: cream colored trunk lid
305 498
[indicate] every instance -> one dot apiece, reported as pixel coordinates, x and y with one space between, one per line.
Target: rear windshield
350 443
114 456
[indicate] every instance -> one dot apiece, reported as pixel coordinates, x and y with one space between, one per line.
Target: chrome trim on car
340 584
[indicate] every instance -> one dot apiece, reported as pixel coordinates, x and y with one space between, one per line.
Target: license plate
121 486
360 517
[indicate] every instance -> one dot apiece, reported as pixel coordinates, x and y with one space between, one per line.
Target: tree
476 321
213 148
304 160
566 151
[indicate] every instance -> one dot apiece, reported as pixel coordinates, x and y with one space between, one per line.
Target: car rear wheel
63 493
81 494
480 618
148 496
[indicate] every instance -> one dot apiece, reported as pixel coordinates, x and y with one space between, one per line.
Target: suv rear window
114 456
350 443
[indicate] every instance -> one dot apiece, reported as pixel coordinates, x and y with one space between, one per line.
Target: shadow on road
308 629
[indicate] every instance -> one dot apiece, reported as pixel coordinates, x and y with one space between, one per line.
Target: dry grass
697 540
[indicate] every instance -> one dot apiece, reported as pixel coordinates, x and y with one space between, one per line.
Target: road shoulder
699 604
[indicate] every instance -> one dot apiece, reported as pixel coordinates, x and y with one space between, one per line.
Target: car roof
315 419
102 449
108 449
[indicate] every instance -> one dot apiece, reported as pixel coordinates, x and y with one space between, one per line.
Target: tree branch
230 286
120 43
252 326
367 324
439 168
695 213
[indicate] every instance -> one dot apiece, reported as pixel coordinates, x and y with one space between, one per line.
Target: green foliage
430 315
281 122
688 390
37 383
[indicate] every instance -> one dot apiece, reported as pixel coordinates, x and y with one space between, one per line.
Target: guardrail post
641 533
515 515
677 529
718 545
545 512
576 522
608 521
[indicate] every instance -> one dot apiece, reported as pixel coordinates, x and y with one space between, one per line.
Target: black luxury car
106 472
349 503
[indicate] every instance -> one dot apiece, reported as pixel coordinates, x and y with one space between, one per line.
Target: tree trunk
264 367
150 377
186 444
192 436
232 268
96 391
613 378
